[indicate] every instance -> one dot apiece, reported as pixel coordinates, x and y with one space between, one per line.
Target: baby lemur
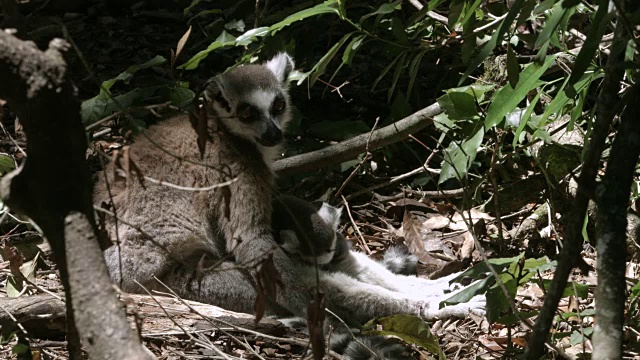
246 110
310 232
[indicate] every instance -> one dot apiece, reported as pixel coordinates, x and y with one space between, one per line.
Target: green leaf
414 66
459 158
577 337
386 69
562 99
525 118
319 68
497 302
156 61
589 48
557 14
328 7
351 48
469 292
411 329
513 69
513 319
582 290
458 105
20 349
6 164
488 47
251 35
506 99
382 10
195 59
14 285
181 97
396 75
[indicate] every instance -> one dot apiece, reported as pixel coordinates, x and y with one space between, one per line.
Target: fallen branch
349 149
53 188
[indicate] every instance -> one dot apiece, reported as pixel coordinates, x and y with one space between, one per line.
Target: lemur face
252 100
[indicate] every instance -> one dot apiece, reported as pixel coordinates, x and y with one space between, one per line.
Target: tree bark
611 232
349 149
569 255
53 185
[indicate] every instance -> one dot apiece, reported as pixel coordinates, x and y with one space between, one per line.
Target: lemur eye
278 105
246 114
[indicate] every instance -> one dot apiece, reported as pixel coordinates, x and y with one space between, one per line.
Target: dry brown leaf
466 251
412 230
181 43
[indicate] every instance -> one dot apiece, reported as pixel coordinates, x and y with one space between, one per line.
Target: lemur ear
280 65
214 93
331 215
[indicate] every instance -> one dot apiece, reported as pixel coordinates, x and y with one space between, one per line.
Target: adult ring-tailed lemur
247 108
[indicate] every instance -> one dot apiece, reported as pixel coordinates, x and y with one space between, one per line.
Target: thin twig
364 243
129 110
366 157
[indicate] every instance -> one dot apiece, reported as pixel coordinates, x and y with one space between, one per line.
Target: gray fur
304 230
185 225
359 288
233 228
399 261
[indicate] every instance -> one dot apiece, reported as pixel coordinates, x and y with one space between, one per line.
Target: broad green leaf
414 66
470 12
481 268
396 75
443 123
328 7
488 47
582 290
513 319
525 118
562 99
156 61
506 99
459 158
251 35
470 291
543 6
181 97
513 69
458 105
191 6
14 285
195 59
20 349
318 69
382 10
386 69
497 302
411 329
557 14
577 337
590 46
351 48
6 164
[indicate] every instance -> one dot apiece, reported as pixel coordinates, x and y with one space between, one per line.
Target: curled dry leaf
455 222
268 281
198 119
